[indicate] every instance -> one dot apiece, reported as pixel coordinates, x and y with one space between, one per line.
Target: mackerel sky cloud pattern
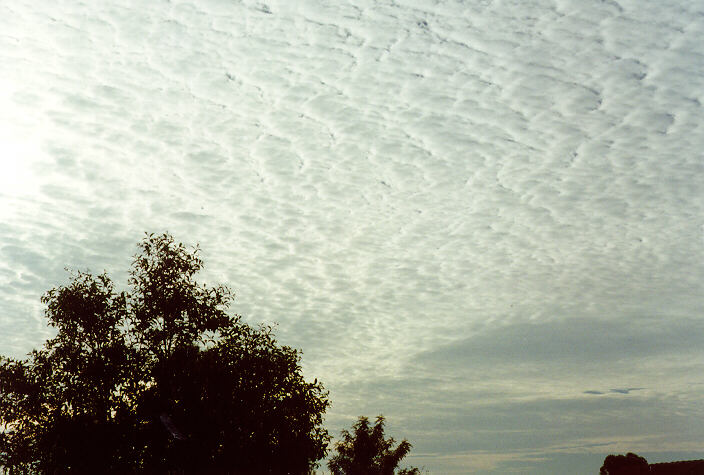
483 219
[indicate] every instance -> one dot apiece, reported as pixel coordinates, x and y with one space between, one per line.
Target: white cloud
384 179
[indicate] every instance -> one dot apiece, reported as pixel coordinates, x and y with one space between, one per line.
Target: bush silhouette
629 464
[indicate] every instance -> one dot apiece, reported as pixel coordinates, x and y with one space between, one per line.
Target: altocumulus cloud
471 216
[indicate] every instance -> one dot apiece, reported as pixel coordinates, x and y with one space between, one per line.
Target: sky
483 218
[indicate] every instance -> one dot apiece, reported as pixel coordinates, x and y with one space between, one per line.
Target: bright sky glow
483 219
18 147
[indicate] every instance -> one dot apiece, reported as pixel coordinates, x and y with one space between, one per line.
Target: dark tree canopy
629 464
160 379
365 451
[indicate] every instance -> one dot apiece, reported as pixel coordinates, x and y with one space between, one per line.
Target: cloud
429 204
570 341
625 390
615 390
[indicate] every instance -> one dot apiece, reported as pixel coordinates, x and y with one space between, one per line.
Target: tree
629 464
160 379
367 452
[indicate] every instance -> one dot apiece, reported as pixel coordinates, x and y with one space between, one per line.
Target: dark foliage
365 451
629 464
158 380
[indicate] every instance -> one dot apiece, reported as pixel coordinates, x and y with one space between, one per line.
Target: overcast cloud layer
482 219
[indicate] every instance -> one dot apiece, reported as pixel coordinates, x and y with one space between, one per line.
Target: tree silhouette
160 380
367 452
629 464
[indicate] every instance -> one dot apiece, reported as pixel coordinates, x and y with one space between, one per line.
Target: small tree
160 379
629 464
367 452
